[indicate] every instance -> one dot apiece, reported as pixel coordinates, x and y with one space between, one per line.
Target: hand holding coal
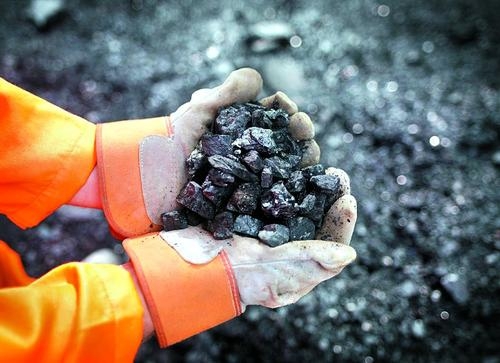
248 175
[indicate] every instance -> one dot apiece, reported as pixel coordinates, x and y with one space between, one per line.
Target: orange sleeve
46 155
75 313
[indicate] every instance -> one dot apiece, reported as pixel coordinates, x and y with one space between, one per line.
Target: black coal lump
327 184
247 225
222 225
232 121
296 183
274 234
280 168
245 198
192 198
307 205
278 117
277 202
317 211
193 219
216 194
301 228
313 170
220 178
174 220
195 162
261 119
216 144
253 161
266 178
257 138
231 166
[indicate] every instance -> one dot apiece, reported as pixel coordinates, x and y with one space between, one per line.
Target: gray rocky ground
405 96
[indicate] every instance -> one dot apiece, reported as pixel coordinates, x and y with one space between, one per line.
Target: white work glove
162 158
278 276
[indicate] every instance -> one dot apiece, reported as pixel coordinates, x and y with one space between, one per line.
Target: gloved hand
281 275
192 282
141 163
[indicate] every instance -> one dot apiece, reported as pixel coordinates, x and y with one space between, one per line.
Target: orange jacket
81 312
76 312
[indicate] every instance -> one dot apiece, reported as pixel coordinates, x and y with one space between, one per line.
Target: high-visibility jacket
76 312
82 312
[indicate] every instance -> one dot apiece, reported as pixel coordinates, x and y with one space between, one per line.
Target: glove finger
280 100
345 183
301 127
311 153
242 85
339 221
279 276
192 118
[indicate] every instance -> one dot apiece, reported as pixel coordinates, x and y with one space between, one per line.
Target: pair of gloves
189 280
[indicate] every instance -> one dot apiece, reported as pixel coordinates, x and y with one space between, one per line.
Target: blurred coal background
405 96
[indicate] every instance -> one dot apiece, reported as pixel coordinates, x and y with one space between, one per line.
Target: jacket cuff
183 299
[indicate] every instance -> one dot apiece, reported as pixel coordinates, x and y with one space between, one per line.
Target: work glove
192 282
141 163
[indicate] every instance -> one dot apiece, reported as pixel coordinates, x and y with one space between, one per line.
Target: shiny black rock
232 121
277 202
192 198
220 178
174 220
247 225
280 168
245 198
274 234
301 228
231 166
258 139
253 161
313 170
222 225
216 144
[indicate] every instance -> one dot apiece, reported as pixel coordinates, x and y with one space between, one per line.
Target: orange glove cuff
117 145
183 299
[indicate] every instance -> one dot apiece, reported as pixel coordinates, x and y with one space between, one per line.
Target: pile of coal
245 177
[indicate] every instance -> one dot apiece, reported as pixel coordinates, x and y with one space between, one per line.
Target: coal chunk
296 183
280 168
195 162
245 198
313 170
220 178
174 220
257 138
274 234
192 198
216 194
266 178
316 212
253 161
260 119
277 202
231 166
301 228
327 184
193 219
279 118
308 204
222 225
232 121
247 225
286 144
216 144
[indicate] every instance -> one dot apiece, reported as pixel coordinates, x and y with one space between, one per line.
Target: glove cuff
183 299
117 145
